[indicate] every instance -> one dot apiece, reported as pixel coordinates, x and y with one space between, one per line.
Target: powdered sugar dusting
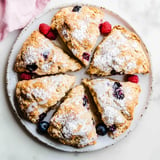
37 97
80 32
32 54
73 124
40 93
109 105
72 119
110 53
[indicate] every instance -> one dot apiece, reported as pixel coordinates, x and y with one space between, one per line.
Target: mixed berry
25 76
133 78
47 31
86 56
44 28
45 55
85 100
101 129
43 126
111 128
76 8
105 28
31 67
113 72
118 92
41 116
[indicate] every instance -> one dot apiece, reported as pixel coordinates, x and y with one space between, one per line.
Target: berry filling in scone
36 96
115 102
72 124
120 52
40 56
78 27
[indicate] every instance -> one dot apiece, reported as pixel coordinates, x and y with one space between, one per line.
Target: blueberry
85 100
101 129
45 55
32 67
118 93
86 56
116 85
41 116
113 72
76 8
112 128
43 126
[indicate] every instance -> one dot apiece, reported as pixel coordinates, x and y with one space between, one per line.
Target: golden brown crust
48 58
72 123
120 51
114 111
79 30
37 96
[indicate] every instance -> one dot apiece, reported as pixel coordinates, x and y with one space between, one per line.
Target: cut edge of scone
36 97
110 63
41 56
72 124
79 30
122 113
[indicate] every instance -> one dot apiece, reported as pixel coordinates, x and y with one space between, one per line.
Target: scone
78 27
40 56
115 101
35 97
72 124
120 52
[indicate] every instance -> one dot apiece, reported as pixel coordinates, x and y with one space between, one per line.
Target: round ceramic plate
12 79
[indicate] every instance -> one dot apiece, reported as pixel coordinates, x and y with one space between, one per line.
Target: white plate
104 141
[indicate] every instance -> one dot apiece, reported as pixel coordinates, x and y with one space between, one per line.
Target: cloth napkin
15 14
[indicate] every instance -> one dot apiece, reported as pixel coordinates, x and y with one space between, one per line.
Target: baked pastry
72 124
119 52
78 27
39 55
35 97
115 102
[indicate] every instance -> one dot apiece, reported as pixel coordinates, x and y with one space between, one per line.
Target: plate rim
73 149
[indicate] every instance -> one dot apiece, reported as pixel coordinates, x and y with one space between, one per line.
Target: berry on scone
44 28
101 129
43 126
25 76
47 31
133 78
51 35
105 27
86 56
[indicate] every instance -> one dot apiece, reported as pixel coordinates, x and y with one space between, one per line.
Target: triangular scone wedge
79 29
40 56
115 101
72 124
35 97
120 52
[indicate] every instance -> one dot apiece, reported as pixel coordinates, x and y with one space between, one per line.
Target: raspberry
133 78
86 56
51 34
105 28
25 76
44 28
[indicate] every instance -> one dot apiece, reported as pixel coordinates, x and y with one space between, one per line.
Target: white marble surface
142 143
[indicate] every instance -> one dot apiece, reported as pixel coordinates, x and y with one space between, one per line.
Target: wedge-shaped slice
78 26
119 52
72 124
35 97
39 55
115 101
